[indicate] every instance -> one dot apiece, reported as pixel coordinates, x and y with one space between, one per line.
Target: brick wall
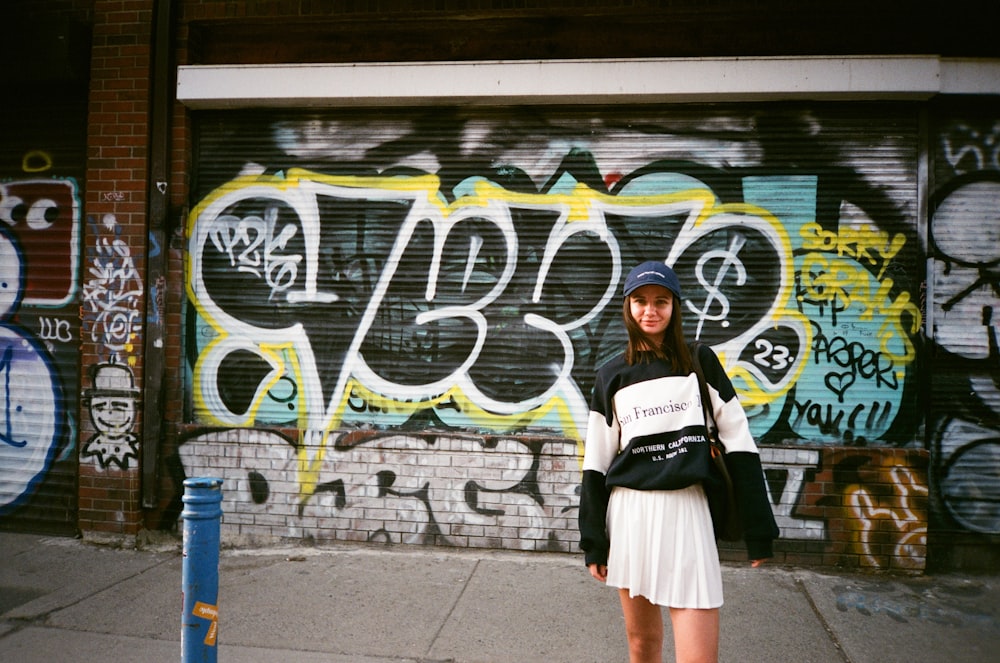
115 240
464 491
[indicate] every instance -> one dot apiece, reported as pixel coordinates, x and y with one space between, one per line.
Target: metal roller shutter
41 176
460 268
964 238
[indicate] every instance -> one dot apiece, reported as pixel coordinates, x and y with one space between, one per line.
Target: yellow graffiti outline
427 183
892 317
853 241
268 351
473 412
751 393
854 283
45 157
580 202
308 469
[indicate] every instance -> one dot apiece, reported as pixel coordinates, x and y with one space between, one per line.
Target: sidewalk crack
454 606
42 618
826 626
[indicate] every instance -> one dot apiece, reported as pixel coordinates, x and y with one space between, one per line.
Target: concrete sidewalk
66 600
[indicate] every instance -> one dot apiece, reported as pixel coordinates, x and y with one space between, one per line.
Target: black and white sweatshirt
641 413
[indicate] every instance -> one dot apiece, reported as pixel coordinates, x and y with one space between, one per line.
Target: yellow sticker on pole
206 611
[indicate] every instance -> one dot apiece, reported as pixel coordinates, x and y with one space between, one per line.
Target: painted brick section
114 244
474 492
841 507
850 507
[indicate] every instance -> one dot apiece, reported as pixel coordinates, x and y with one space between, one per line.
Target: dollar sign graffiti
729 259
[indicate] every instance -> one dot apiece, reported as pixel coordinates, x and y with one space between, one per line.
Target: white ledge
498 83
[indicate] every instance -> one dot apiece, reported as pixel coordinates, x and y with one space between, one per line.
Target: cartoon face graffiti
112 412
44 215
111 415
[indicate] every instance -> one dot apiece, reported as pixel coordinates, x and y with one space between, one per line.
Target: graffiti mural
466 279
36 223
112 317
965 246
112 293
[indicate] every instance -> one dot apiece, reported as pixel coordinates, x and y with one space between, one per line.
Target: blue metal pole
199 622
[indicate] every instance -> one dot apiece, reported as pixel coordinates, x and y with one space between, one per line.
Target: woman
645 524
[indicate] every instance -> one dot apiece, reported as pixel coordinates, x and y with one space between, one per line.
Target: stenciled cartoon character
112 411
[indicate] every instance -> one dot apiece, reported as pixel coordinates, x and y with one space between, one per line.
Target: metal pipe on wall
160 108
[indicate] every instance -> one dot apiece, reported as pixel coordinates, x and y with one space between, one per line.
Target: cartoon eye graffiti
44 216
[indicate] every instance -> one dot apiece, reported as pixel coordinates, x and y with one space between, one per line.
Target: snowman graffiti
30 403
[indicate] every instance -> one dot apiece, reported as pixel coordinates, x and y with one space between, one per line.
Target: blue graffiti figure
29 392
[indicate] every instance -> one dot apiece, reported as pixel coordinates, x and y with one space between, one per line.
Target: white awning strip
584 81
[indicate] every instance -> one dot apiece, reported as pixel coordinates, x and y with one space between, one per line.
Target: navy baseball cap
655 273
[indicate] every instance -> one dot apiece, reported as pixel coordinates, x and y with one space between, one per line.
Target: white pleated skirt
663 547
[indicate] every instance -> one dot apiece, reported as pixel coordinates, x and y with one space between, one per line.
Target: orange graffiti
900 519
875 504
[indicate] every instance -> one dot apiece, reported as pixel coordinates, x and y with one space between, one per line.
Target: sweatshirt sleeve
593 514
600 448
742 459
759 527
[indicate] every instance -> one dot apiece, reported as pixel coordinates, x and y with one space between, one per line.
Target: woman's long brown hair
674 348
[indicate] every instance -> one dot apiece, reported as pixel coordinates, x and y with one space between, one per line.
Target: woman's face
651 307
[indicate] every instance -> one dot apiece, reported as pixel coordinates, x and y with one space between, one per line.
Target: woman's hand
599 571
756 563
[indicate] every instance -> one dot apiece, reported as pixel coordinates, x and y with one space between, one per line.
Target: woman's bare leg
696 635
644 628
